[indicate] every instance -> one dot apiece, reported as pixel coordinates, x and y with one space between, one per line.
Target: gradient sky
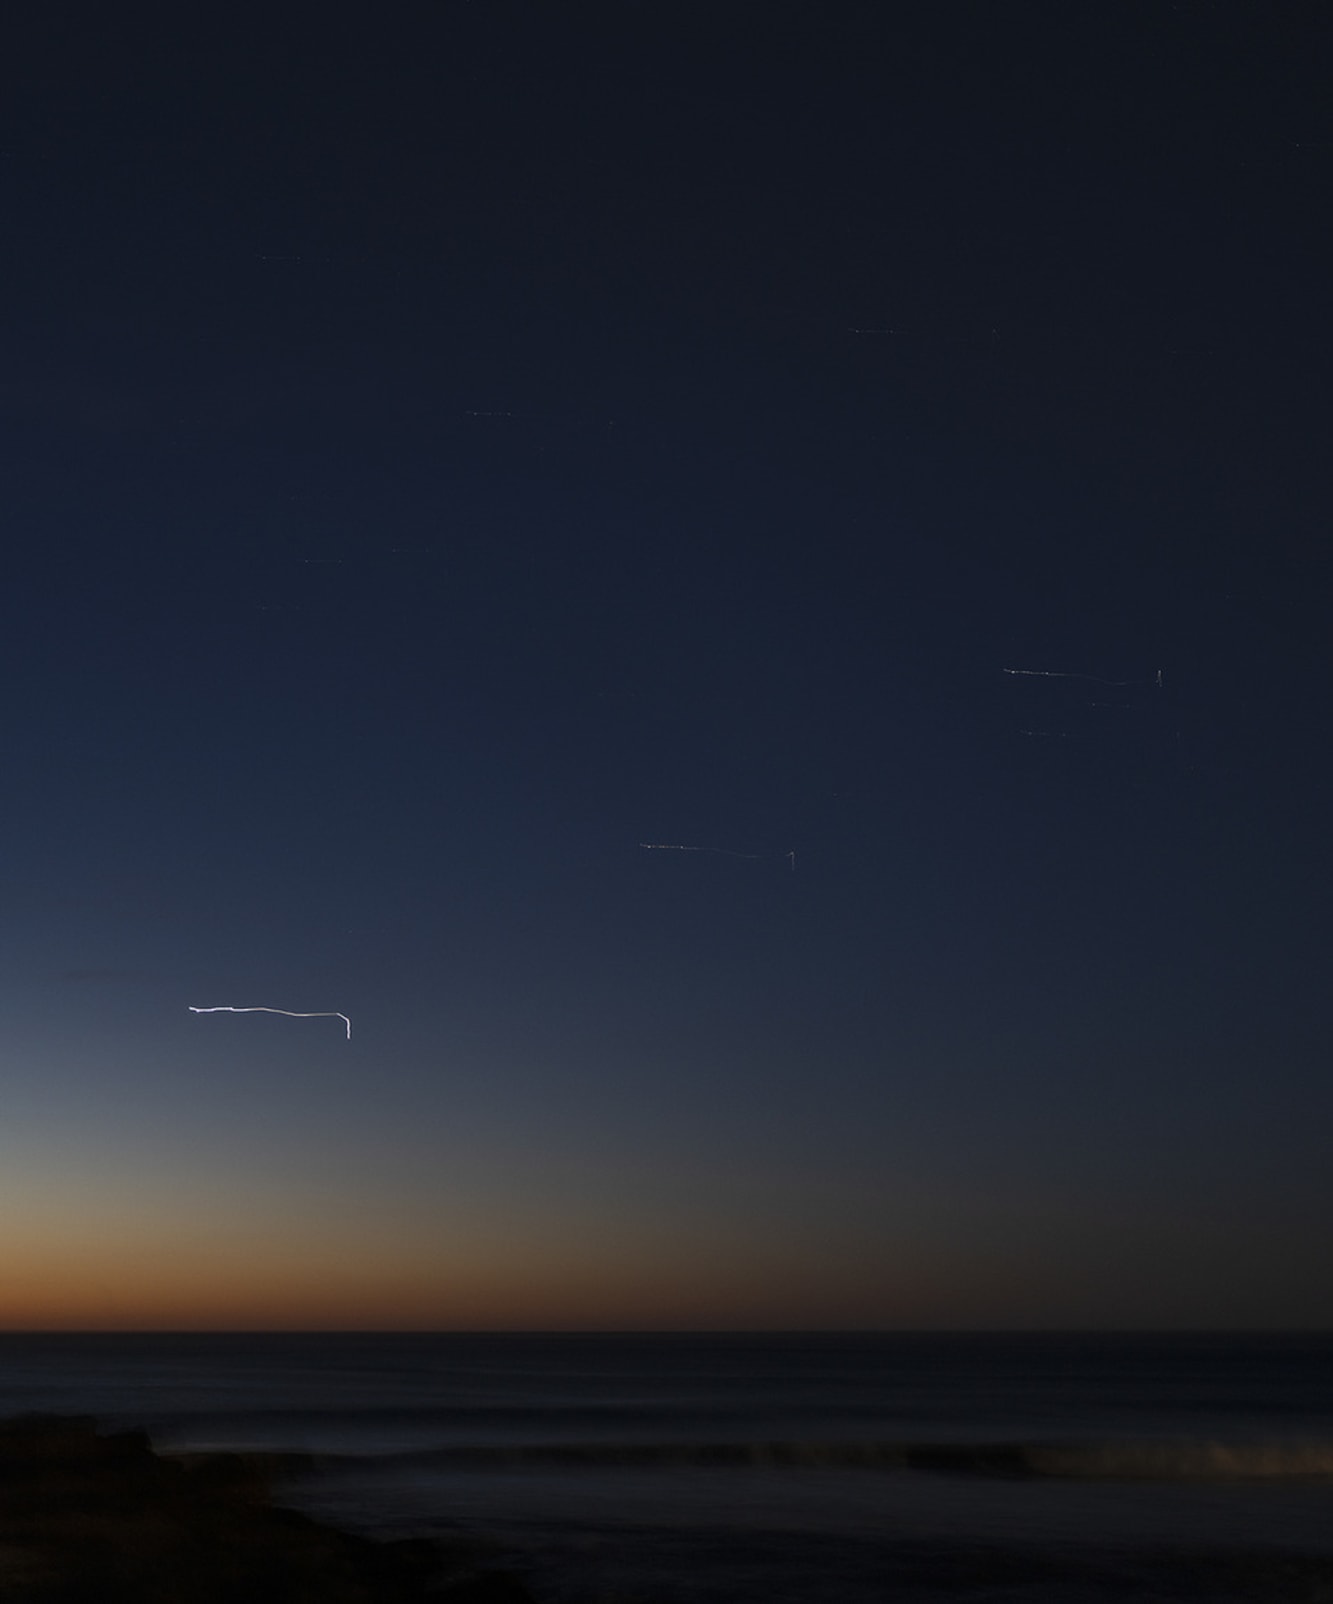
448 445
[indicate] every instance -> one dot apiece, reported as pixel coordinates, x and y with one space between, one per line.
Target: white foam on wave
1181 1461
1105 1460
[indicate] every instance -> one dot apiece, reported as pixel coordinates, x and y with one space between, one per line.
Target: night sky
446 446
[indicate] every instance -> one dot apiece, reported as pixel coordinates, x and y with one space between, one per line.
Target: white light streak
1055 673
226 1008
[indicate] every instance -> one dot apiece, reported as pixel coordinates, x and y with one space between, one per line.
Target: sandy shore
88 1517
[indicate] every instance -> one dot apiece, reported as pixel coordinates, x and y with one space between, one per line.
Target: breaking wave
1105 1460
1136 1461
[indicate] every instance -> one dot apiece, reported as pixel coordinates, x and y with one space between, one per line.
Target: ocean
787 1469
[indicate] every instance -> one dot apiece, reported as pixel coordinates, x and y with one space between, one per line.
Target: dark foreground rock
94 1518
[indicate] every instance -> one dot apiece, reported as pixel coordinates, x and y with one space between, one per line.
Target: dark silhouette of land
98 1518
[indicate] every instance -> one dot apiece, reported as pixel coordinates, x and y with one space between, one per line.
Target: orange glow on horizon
300 1284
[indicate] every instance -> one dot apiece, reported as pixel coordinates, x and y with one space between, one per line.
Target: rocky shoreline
89 1517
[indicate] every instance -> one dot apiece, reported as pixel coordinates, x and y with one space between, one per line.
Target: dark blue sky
447 447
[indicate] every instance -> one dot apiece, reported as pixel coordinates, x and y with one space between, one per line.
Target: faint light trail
670 846
226 1008
1055 673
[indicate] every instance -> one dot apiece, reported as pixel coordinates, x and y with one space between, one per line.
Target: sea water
803 1468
